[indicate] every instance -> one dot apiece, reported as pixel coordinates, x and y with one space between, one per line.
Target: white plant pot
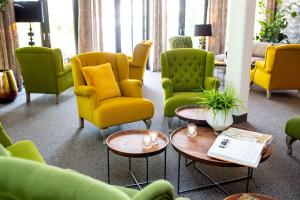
220 121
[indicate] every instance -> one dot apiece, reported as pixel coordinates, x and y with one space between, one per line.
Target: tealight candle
147 141
153 136
191 130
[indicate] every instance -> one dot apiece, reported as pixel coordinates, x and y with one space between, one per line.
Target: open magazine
240 146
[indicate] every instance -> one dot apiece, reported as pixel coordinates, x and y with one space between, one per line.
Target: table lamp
29 11
202 30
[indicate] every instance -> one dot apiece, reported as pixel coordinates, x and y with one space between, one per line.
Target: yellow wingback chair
130 107
280 70
138 61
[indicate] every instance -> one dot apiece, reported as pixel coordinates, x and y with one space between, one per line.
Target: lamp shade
29 11
203 30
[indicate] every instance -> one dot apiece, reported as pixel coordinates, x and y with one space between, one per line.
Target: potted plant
220 105
3 4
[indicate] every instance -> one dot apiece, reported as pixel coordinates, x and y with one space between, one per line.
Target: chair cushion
121 110
179 99
27 150
102 78
259 49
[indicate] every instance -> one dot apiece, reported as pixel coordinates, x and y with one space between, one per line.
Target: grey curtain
9 42
90 35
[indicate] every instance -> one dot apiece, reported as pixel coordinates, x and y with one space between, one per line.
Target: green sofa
43 71
292 130
22 149
180 41
184 73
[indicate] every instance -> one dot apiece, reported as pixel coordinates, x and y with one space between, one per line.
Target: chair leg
251 86
298 93
57 99
170 120
148 123
268 94
289 141
27 97
81 122
103 131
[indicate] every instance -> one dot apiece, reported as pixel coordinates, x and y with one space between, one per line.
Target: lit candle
153 136
191 130
147 141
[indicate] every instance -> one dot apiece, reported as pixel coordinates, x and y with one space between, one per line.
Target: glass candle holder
154 138
147 142
191 130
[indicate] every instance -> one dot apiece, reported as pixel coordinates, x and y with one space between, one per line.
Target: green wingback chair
23 179
184 71
22 149
43 71
180 42
292 130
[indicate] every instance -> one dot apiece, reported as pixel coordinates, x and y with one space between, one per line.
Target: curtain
9 42
90 35
217 11
158 31
271 6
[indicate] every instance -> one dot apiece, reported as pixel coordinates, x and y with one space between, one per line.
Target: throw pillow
102 78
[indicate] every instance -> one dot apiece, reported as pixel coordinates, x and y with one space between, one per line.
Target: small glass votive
191 130
154 138
147 142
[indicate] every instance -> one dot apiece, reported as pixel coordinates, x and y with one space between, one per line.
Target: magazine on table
240 146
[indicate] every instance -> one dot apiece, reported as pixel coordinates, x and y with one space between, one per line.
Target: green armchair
43 71
292 130
180 42
184 73
22 149
23 179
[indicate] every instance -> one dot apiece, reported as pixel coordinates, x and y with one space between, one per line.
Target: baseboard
240 118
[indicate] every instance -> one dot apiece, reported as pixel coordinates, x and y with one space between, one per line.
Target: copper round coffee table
196 148
259 196
130 143
192 114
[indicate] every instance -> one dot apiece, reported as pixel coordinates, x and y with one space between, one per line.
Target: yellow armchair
138 61
280 70
130 107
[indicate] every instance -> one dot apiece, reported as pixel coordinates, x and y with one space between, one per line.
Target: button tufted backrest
185 68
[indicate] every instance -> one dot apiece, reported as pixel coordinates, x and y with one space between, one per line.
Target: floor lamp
202 30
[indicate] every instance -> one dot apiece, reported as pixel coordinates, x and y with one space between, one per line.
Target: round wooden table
192 114
196 148
259 196
130 143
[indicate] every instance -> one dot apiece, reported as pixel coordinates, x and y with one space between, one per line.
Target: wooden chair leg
81 122
57 99
170 120
148 123
103 131
289 141
27 97
268 94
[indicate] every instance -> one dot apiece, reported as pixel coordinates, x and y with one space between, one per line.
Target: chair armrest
211 83
129 57
157 190
67 68
85 91
260 64
168 87
133 64
131 88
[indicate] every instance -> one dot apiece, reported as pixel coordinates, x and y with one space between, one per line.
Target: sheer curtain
90 35
217 11
158 31
9 42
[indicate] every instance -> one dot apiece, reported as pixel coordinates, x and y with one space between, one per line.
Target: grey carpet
54 129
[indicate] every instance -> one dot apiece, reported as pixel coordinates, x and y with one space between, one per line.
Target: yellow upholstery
137 63
280 70
130 107
106 86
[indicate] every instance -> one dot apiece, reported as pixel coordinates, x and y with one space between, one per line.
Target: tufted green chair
184 71
180 42
292 130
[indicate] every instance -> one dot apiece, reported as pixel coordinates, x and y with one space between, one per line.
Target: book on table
240 146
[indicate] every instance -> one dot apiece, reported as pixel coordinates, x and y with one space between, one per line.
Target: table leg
178 181
248 178
129 163
108 172
147 171
165 165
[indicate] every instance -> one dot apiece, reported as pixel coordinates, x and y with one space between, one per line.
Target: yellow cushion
102 78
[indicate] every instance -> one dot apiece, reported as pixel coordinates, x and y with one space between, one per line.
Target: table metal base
214 183
136 183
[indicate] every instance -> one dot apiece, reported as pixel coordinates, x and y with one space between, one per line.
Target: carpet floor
54 129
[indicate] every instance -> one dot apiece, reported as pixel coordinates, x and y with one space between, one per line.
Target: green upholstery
23 179
180 42
43 70
292 130
4 152
21 149
184 71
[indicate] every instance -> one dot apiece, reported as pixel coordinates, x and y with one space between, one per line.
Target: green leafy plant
274 24
220 101
3 4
